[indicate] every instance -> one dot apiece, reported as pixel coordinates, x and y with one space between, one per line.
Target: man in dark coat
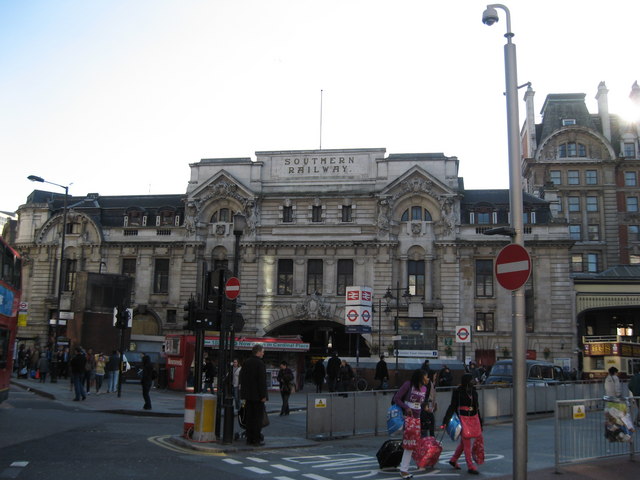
333 370
382 373
253 390
77 364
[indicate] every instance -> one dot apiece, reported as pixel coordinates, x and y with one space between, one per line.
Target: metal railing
340 414
580 432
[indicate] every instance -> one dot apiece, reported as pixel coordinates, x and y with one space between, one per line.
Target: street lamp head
490 16
239 223
35 178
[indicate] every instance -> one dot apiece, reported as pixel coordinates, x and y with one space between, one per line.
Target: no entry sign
232 288
513 266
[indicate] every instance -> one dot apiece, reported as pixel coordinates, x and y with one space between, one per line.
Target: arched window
416 213
221 216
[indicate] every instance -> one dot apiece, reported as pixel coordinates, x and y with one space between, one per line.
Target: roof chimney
603 110
532 143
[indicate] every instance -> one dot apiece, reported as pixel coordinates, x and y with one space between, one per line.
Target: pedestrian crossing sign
321 403
578 412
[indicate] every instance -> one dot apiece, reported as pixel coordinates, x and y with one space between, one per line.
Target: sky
118 97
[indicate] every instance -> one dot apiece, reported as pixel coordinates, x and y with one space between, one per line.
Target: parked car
135 362
539 373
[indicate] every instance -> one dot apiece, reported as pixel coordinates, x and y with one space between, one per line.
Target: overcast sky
118 97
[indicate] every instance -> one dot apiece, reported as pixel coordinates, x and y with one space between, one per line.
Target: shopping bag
477 451
454 427
470 426
411 433
427 452
265 417
395 419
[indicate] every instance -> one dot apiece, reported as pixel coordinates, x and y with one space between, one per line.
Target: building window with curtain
484 322
287 214
484 278
345 276
314 277
129 267
316 213
70 271
346 214
576 263
161 276
416 277
285 276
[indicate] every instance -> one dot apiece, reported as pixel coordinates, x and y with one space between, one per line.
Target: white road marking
285 468
313 476
19 464
257 470
232 461
257 459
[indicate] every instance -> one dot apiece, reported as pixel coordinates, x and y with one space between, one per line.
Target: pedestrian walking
333 370
113 371
253 390
410 397
89 370
634 388
285 380
210 372
345 376
612 387
445 377
318 373
464 402
382 374
43 366
148 376
430 406
77 365
235 380
101 363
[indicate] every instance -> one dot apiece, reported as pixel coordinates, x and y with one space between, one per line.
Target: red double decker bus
10 272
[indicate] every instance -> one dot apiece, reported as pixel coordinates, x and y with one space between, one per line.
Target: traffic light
190 316
122 317
208 319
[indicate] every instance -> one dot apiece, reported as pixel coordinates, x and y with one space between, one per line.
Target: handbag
477 451
470 426
454 427
265 417
395 419
411 433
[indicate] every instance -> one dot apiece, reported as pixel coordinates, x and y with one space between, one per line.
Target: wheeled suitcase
390 454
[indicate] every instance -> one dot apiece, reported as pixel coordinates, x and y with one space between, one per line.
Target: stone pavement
284 432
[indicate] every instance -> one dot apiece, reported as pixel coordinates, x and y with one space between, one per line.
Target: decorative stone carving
314 307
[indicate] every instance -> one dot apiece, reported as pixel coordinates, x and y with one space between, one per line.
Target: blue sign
6 301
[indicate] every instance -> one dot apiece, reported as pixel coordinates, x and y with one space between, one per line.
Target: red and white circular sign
463 334
352 316
232 288
513 266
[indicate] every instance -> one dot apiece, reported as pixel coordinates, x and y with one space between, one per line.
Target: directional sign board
463 334
357 319
232 288
513 266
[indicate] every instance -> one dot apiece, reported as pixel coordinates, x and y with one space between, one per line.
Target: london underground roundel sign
513 266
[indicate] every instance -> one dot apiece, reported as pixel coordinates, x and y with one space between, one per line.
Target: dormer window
134 218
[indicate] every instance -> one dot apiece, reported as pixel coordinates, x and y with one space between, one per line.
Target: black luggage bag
390 454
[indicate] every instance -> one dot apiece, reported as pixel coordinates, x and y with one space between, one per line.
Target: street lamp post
54 354
239 225
396 324
489 17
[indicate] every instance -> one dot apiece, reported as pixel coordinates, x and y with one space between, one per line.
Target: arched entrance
324 336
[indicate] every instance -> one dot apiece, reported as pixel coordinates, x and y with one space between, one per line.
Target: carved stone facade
317 221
